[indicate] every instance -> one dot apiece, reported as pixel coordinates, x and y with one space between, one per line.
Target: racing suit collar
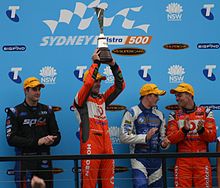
143 108
30 107
188 111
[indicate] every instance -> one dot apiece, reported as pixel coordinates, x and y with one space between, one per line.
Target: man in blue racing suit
143 127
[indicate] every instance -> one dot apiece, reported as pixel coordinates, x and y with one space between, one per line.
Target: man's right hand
150 133
47 140
95 56
186 124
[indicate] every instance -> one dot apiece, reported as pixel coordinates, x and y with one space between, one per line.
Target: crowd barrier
77 158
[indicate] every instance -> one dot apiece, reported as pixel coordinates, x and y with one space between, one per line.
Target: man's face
96 87
153 99
183 99
33 94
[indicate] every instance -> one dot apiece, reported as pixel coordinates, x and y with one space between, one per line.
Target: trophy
105 54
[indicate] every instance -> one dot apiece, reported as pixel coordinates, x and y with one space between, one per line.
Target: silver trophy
105 54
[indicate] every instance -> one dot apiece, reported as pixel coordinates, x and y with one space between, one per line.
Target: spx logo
208 72
143 73
48 75
174 12
13 74
176 74
206 11
11 13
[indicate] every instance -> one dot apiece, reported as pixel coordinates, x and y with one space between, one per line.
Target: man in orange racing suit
191 128
94 132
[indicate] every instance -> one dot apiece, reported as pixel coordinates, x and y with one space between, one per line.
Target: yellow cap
182 88
151 89
32 82
98 77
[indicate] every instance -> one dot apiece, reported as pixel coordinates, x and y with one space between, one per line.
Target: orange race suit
94 131
190 172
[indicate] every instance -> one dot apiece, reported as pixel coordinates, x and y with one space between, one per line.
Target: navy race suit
25 125
135 125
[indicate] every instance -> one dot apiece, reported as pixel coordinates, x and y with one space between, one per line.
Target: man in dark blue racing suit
31 128
143 127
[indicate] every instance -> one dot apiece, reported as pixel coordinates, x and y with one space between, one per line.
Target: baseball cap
147 89
182 88
32 82
98 77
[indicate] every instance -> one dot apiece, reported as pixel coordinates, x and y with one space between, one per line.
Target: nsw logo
114 134
143 73
14 74
176 74
208 72
48 75
108 74
174 12
206 11
11 13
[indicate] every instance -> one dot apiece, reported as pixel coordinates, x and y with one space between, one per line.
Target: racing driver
90 108
191 128
31 127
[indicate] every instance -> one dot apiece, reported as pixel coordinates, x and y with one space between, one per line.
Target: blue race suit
135 125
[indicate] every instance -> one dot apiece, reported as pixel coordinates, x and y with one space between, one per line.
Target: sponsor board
115 107
209 72
207 11
211 106
118 169
176 46
143 72
54 171
208 45
176 73
174 11
128 51
92 40
11 48
11 13
48 75
14 74
172 107
56 108
114 132
86 16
